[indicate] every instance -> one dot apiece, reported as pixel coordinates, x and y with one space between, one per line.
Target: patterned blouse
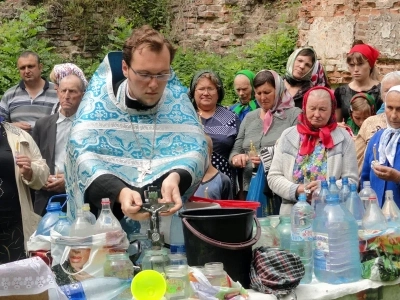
313 167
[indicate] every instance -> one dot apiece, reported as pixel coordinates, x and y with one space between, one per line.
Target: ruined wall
331 27
217 24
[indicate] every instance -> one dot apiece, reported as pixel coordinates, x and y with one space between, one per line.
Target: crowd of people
134 125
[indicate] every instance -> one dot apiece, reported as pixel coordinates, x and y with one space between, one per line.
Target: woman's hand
386 173
240 160
307 189
24 164
255 160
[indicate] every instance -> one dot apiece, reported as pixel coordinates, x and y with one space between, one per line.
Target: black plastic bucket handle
219 244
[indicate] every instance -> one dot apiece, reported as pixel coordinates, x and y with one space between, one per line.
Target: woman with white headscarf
382 157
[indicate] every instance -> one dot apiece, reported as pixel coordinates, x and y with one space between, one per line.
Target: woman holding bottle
313 150
262 127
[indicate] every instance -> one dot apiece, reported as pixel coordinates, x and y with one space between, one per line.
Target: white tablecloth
324 291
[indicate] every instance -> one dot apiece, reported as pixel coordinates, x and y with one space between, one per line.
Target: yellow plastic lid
148 285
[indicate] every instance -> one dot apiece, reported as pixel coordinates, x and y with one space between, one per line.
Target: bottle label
303 234
74 291
321 251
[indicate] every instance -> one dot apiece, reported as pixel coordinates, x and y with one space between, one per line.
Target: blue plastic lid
332 179
302 197
353 187
177 249
345 180
324 183
53 206
332 198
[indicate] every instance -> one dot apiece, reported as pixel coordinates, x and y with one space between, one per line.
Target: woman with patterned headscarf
313 150
362 106
361 64
262 127
303 71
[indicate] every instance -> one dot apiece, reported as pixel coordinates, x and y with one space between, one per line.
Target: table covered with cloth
364 289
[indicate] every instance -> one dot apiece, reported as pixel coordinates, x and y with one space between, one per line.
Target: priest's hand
170 193
131 203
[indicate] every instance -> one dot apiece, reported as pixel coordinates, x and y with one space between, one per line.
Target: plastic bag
256 191
79 258
203 289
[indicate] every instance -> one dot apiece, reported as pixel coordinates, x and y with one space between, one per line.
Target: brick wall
331 27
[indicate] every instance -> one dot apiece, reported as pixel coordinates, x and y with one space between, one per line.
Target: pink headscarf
283 100
368 51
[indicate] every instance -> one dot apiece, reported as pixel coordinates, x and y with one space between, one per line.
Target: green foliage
21 34
270 52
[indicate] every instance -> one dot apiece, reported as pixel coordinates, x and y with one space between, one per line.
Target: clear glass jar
178 259
120 266
155 260
177 278
214 271
285 232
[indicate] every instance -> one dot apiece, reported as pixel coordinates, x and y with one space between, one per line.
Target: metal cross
144 169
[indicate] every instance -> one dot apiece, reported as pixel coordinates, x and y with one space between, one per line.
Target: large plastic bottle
301 243
106 221
63 225
391 211
285 232
50 219
88 214
269 235
365 193
355 205
373 217
336 252
102 288
319 197
345 190
177 239
81 227
333 188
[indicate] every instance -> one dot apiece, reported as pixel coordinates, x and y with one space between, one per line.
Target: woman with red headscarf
311 151
361 64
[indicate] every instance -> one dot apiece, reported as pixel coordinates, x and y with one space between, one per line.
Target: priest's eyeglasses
147 77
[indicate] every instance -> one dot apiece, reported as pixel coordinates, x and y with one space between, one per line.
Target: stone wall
217 24
331 27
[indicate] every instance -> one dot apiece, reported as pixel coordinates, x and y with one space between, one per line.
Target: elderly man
51 134
135 128
243 85
31 99
382 156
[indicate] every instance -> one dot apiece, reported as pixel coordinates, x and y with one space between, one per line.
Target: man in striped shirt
32 98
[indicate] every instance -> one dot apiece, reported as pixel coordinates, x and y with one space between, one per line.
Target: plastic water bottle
50 219
333 188
301 243
106 221
336 252
285 232
88 214
355 205
102 288
63 225
366 192
177 239
81 227
345 190
269 235
391 211
319 197
373 217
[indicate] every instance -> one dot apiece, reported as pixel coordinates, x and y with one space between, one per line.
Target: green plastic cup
148 285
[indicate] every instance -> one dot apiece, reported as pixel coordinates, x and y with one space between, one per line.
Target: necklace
145 167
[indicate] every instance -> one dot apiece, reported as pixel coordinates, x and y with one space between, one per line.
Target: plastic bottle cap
148 285
389 193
